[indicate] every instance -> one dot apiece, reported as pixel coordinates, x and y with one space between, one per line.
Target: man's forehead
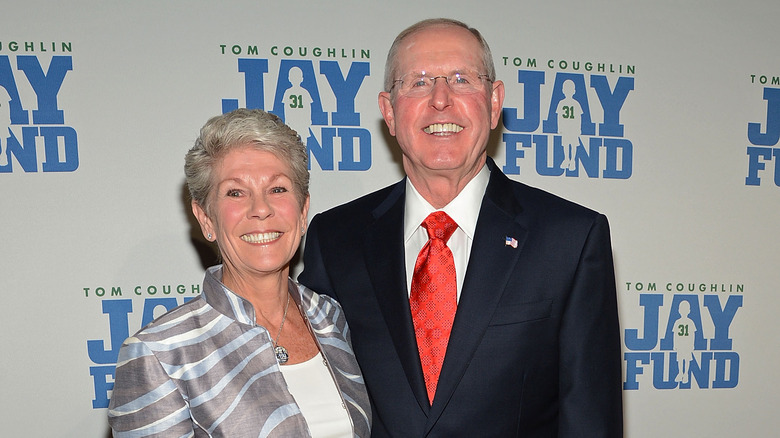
444 49
438 34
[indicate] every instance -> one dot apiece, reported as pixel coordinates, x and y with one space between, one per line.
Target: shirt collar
464 209
225 301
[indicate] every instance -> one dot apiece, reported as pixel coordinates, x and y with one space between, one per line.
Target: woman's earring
209 237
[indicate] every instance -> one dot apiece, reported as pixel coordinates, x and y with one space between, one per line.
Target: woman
256 354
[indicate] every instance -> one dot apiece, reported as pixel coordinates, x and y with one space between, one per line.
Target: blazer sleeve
145 401
591 370
314 274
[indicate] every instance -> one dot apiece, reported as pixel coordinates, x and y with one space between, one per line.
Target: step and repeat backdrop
673 109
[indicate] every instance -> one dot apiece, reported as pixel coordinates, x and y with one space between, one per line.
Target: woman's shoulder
313 302
311 297
178 319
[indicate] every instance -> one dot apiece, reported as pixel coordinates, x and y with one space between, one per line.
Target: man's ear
386 108
496 103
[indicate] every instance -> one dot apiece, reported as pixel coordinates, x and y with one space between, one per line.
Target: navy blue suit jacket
535 345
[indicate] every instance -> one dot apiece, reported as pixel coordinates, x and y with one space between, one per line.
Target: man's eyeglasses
421 84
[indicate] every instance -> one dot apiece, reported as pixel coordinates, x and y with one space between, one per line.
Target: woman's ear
305 216
206 225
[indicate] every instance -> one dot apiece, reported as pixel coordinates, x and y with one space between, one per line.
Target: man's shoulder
530 199
540 201
538 195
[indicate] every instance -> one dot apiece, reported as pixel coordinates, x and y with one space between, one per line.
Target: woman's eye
233 193
278 190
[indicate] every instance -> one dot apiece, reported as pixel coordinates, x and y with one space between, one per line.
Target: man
534 347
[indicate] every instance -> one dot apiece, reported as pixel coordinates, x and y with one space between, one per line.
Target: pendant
281 354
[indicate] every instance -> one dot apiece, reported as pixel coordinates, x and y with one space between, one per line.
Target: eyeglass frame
482 76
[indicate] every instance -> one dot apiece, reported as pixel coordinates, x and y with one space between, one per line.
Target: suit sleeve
591 370
145 401
314 275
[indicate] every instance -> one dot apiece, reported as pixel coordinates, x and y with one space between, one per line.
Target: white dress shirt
464 210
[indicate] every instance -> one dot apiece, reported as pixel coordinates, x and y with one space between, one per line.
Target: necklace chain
281 353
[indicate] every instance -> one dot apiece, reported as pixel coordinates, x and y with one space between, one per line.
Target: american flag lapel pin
511 241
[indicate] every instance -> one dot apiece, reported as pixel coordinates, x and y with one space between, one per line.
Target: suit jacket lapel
490 264
384 250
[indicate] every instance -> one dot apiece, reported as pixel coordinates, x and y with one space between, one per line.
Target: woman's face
255 215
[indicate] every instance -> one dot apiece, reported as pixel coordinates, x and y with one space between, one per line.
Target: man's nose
440 93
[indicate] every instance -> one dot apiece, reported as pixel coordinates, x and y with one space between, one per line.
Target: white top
464 210
313 388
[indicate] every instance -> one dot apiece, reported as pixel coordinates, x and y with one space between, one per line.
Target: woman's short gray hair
392 54
237 129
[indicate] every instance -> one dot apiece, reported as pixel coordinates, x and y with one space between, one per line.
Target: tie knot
439 225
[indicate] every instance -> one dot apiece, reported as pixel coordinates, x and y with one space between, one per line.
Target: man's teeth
443 128
261 237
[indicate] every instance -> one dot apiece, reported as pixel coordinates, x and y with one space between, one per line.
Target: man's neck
440 188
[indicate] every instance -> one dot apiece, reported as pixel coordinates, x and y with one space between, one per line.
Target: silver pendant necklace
281 353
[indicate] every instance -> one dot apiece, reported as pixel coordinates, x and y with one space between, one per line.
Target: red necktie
433 297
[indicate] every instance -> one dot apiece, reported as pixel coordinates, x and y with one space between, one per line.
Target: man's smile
443 129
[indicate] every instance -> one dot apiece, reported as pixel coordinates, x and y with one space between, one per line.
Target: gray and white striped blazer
206 369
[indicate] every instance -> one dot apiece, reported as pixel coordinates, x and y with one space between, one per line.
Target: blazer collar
383 246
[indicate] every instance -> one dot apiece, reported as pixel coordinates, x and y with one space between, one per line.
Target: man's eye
419 83
461 79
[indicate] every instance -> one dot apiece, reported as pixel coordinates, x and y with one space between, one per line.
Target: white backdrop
679 125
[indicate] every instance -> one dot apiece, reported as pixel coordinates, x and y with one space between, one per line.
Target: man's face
443 133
